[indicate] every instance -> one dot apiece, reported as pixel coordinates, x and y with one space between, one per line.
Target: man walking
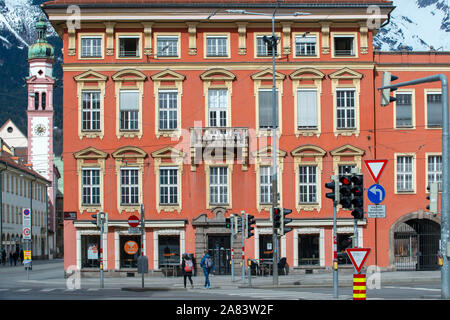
207 266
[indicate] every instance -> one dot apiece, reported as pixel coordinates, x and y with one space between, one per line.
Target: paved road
46 282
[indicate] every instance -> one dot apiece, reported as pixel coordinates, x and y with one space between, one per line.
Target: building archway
414 242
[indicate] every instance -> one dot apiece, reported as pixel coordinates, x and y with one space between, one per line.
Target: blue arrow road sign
376 194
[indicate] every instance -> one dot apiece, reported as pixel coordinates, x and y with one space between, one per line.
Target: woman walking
187 266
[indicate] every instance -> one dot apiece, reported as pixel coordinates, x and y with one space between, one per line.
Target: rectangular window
90 110
168 109
345 169
305 46
434 110
216 46
129 186
344 45
217 107
167 46
91 47
345 109
405 173
90 182
265 97
435 170
307 184
403 110
129 110
265 184
308 249
218 185
307 109
129 47
263 49
168 186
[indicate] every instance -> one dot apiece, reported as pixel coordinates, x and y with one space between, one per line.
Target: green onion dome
41 49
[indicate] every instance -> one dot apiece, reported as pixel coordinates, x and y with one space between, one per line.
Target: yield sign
376 168
358 257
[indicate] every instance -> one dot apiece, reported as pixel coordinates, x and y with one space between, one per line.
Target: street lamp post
273 43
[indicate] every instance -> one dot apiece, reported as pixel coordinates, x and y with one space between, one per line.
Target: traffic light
357 190
433 189
285 221
97 220
386 98
345 193
276 218
250 222
334 194
228 223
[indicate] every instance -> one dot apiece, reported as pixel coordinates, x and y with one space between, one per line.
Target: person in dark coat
11 258
15 257
3 256
187 266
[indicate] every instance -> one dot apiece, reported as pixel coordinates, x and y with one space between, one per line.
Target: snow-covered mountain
417 25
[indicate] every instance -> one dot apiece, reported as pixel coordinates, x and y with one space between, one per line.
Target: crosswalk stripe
23 290
48 289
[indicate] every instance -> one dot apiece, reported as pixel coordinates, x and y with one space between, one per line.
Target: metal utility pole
232 248
445 198
335 258
102 215
243 246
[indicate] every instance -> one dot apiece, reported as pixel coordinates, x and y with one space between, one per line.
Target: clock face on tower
40 129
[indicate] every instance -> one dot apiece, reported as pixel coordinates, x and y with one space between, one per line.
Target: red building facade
169 105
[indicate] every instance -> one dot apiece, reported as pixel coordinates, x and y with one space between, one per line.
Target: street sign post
376 211
375 168
376 194
26 222
358 257
133 221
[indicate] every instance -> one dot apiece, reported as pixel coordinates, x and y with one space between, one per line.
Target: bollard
359 287
249 273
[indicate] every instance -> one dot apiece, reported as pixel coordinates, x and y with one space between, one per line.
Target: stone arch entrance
414 242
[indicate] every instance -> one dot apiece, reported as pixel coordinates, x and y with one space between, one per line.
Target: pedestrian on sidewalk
207 265
3 256
11 258
15 257
187 266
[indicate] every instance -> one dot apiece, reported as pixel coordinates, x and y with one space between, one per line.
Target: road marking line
48 289
23 290
411 288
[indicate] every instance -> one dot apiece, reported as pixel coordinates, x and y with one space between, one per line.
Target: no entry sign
133 221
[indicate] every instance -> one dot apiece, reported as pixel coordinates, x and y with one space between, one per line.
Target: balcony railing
226 137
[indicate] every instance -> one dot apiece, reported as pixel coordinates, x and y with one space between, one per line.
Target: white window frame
298 104
218 107
413 120
169 41
168 109
265 184
354 50
128 186
129 35
93 124
170 191
346 108
215 48
130 122
426 93
308 184
265 54
90 47
222 187
298 44
91 187
433 175
399 173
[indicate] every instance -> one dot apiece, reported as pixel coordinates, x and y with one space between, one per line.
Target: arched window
44 100
36 100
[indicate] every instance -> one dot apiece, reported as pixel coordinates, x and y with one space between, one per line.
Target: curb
145 289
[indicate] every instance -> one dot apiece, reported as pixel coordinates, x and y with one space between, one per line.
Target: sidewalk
293 281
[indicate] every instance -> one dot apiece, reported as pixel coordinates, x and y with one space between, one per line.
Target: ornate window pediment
90 76
129 152
217 74
345 73
168 75
347 151
129 75
267 75
307 74
90 153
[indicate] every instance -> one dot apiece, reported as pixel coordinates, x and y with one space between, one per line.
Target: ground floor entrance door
219 247
416 245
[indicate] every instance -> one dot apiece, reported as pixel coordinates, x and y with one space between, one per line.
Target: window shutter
307 108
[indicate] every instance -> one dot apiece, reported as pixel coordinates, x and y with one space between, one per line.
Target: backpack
188 266
208 262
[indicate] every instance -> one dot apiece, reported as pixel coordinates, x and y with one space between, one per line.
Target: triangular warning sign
358 256
375 168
